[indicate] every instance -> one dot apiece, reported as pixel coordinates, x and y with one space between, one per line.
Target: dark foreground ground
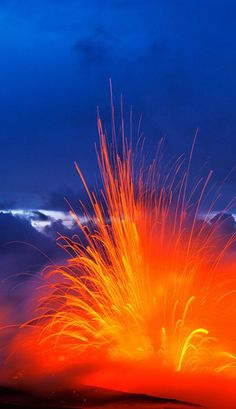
93 398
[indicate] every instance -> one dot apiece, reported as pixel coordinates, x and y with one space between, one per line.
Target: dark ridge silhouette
86 397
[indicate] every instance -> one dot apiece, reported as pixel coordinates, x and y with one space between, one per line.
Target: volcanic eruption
146 301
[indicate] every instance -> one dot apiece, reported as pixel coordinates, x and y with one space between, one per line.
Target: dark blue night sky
174 61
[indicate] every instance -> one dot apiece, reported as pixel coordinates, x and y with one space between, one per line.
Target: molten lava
150 287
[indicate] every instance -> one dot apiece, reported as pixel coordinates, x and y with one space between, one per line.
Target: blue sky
174 61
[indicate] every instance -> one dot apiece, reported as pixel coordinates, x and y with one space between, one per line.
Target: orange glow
153 287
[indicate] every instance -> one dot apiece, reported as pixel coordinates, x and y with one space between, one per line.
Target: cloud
57 228
57 200
39 216
91 52
227 223
14 228
96 49
23 248
65 197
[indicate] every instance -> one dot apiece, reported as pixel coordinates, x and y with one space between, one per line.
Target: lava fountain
147 299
